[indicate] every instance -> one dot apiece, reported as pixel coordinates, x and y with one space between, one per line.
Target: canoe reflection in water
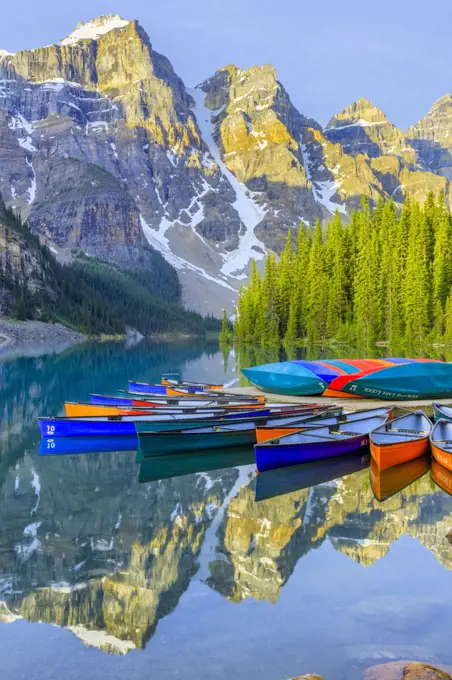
442 477
66 445
286 480
177 465
386 483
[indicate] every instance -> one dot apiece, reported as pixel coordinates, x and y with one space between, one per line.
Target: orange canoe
176 383
386 483
441 443
401 440
442 476
73 410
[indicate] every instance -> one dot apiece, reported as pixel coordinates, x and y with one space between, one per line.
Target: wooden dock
347 404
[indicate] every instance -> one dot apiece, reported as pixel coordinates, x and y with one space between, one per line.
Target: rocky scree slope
104 150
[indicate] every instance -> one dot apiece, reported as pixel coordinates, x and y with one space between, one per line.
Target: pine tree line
97 298
385 276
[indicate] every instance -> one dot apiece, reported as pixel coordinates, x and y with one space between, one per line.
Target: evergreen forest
94 297
384 277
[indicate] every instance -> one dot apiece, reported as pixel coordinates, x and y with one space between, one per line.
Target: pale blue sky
398 53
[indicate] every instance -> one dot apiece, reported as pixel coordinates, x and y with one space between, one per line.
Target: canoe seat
346 434
404 430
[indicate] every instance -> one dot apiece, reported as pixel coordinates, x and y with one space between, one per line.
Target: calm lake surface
204 573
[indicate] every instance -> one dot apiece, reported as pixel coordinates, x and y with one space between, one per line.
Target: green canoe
197 439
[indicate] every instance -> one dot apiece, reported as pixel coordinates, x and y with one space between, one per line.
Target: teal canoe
166 467
442 412
287 377
420 380
196 439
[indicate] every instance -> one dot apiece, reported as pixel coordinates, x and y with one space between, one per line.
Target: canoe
92 426
441 476
67 445
147 388
292 424
388 482
166 467
401 440
316 444
203 438
286 480
286 377
441 443
168 382
414 380
442 411
197 439
127 399
202 394
78 410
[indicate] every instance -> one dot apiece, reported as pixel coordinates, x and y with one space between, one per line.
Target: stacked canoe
392 379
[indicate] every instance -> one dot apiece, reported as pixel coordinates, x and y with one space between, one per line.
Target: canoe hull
164 444
268 458
286 378
391 455
73 427
441 457
146 388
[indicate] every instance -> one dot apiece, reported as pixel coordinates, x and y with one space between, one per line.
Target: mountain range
105 151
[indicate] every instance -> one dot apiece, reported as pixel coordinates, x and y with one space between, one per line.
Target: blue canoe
317 444
113 426
145 388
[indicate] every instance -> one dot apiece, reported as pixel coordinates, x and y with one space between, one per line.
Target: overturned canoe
391 379
287 480
441 443
316 444
401 440
388 482
287 377
329 417
414 380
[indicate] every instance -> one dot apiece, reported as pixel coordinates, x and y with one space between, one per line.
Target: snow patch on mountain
92 30
325 190
159 241
250 212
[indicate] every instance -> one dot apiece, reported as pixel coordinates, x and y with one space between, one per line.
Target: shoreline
31 338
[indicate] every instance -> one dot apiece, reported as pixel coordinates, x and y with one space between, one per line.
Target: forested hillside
384 276
87 294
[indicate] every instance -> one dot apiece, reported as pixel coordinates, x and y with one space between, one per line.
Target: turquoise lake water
203 570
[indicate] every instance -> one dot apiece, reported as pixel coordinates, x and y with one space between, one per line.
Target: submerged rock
409 670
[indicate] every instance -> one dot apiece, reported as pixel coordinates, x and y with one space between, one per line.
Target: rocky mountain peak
93 29
362 112
432 137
